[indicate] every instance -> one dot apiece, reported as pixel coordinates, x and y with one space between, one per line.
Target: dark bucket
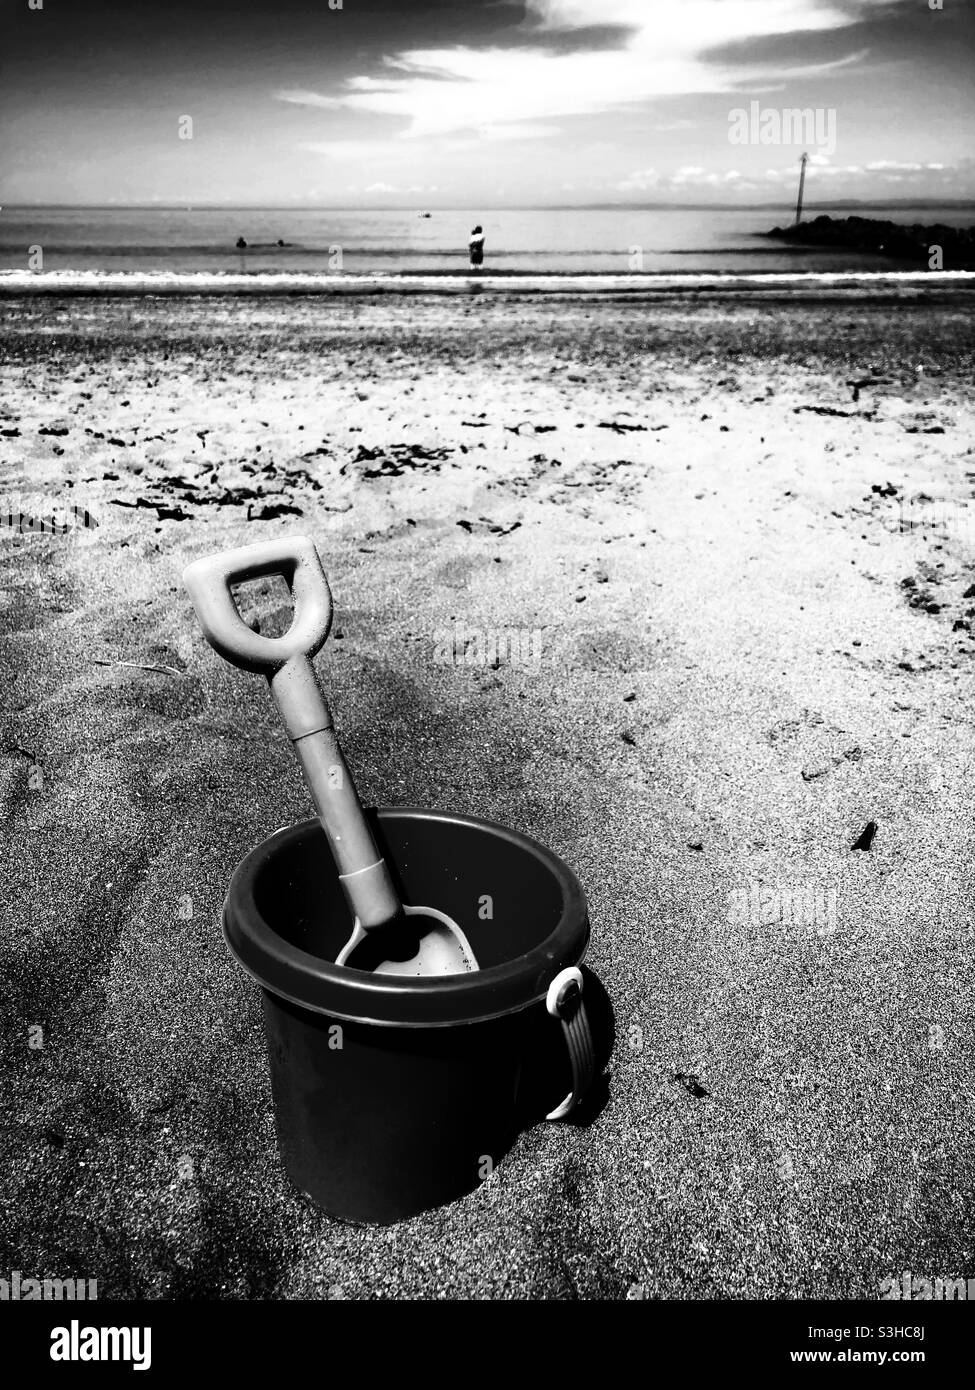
395 1094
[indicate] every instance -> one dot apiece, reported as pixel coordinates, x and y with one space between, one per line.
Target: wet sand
746 534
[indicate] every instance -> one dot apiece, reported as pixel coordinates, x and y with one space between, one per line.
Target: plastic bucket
392 1094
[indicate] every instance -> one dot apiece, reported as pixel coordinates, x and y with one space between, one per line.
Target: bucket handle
564 1002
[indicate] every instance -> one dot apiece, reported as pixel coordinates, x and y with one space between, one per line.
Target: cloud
640 181
727 20
869 179
879 165
299 97
359 150
687 176
808 70
515 131
831 180
663 52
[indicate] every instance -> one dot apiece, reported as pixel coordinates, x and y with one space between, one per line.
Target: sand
745 534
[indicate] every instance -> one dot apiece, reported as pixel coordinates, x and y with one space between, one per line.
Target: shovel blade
441 948
440 953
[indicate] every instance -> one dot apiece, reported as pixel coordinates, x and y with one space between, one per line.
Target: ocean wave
97 282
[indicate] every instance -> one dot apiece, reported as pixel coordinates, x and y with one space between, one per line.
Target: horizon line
509 207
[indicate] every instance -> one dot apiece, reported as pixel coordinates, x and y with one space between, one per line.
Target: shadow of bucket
393 1094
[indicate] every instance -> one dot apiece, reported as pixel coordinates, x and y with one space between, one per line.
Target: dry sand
693 503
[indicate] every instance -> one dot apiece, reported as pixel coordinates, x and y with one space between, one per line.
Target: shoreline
806 284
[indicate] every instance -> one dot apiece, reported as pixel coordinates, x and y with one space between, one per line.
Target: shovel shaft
362 870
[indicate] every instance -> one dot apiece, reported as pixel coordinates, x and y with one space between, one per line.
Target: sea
388 242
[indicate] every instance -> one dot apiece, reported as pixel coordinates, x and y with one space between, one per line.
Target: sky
486 103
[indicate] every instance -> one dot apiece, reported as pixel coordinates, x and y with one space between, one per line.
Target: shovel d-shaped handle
286 662
209 581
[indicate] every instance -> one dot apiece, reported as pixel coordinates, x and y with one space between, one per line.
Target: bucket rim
354 996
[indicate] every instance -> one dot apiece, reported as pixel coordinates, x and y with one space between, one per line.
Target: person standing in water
476 248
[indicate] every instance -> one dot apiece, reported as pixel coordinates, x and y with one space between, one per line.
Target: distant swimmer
476 248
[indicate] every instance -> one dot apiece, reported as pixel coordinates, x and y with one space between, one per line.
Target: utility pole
802 182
